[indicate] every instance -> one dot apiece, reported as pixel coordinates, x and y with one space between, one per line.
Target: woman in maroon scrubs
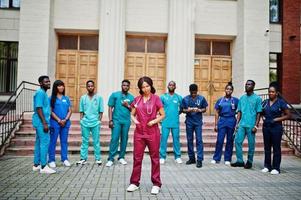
144 114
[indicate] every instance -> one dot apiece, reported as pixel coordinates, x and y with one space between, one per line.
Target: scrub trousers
222 132
175 132
41 146
54 133
190 129
239 139
85 142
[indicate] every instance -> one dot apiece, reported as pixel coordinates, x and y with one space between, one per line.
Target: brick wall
290 77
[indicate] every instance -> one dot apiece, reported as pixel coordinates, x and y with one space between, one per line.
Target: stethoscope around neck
148 110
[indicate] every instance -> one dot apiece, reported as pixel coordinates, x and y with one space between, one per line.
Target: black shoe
190 161
248 165
199 164
237 164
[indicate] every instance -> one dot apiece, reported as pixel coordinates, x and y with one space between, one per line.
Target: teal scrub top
91 109
40 100
121 114
249 106
172 107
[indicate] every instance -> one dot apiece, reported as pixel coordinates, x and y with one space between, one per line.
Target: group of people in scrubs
234 119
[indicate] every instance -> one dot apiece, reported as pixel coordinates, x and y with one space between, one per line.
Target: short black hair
41 78
253 82
193 87
275 85
90 81
126 81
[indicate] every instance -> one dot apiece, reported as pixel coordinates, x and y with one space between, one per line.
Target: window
221 48
135 44
8 66
78 42
156 45
10 4
202 47
274 11
273 68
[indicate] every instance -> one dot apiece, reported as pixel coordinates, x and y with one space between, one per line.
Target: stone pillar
251 46
111 47
180 53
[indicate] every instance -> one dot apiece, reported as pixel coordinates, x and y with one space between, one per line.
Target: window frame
10 5
8 61
279 12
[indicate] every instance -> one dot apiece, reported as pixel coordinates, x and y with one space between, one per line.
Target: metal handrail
12 112
292 126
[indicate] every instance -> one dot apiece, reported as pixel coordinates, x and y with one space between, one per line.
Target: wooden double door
146 56
76 62
211 74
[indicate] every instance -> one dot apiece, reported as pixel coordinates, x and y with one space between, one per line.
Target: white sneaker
52 164
81 162
179 161
265 170
99 162
47 170
162 161
66 163
36 168
213 162
122 161
155 190
132 188
275 172
109 163
227 163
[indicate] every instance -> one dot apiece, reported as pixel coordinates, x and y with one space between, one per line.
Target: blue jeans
54 133
41 146
190 129
175 139
119 131
222 132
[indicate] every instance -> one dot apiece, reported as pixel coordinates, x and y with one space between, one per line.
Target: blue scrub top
172 107
249 106
61 109
120 113
270 112
40 100
227 111
195 118
91 109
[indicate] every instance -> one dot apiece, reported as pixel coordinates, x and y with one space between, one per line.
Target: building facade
207 42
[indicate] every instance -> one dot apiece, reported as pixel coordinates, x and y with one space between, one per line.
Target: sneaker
213 162
179 161
248 165
109 163
265 170
162 161
275 172
47 170
155 190
190 161
132 188
81 162
52 164
66 163
199 164
227 163
36 168
237 164
122 161
98 162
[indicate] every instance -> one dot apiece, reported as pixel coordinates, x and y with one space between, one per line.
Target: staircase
23 141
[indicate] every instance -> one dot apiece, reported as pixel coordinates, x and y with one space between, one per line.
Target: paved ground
17 181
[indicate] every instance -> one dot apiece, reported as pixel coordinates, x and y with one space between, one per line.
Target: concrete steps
23 142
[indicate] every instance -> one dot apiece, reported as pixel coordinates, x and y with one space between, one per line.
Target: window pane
135 44
202 47
16 3
273 67
68 42
156 45
221 48
274 10
4 3
89 43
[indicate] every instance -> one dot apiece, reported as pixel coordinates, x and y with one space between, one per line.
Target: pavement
212 181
